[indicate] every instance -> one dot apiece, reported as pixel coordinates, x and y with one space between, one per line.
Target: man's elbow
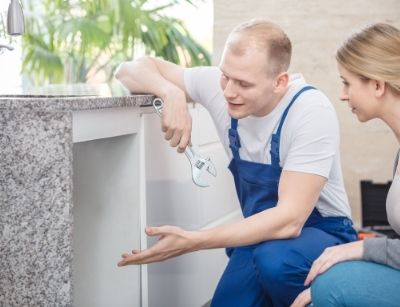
127 72
296 232
120 72
293 229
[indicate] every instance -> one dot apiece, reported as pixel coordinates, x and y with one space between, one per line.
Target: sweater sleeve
382 250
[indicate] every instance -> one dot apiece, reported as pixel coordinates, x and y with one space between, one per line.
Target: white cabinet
173 199
127 176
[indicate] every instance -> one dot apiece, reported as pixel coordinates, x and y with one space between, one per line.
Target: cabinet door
173 199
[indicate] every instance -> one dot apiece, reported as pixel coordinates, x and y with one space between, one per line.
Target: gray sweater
384 250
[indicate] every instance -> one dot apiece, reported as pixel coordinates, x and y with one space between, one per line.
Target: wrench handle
189 152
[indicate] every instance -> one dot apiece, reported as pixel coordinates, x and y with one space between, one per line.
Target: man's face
247 87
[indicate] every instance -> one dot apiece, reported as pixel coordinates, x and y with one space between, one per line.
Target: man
283 138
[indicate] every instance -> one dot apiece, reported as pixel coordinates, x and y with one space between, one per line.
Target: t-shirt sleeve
202 84
314 141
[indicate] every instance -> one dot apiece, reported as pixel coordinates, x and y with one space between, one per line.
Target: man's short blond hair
263 35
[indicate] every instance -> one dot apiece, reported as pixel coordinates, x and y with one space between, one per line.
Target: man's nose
229 90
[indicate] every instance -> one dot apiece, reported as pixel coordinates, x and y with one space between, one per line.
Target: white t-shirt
309 137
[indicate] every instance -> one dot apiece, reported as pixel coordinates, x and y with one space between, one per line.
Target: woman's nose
343 96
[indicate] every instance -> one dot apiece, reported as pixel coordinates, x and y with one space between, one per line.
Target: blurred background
75 41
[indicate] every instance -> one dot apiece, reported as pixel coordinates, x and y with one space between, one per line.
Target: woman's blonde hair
373 53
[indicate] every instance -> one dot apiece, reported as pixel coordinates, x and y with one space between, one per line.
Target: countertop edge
75 103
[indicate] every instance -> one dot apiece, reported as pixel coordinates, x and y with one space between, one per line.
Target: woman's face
359 94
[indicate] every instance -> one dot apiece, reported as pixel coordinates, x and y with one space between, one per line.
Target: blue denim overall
272 273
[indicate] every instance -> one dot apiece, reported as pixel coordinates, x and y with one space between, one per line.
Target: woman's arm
382 250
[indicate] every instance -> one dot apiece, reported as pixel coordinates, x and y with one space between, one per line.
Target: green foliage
72 40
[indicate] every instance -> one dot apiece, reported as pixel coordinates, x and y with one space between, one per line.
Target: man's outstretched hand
173 241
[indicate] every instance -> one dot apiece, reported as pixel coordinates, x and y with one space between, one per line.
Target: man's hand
165 80
333 255
173 241
303 299
176 120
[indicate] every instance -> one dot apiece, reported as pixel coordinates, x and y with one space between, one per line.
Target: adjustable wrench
200 166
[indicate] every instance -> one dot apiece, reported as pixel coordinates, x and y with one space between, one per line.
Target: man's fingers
158 252
186 136
158 231
176 123
137 258
185 139
176 138
146 256
169 133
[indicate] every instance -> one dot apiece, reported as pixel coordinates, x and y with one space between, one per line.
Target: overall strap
276 137
234 142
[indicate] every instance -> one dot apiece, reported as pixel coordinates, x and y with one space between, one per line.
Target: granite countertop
71 97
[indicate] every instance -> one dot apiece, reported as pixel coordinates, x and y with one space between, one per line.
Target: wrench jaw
200 168
198 179
211 168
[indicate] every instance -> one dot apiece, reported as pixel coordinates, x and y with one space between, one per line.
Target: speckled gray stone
73 103
36 221
35 208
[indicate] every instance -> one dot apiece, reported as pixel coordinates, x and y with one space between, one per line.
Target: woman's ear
380 88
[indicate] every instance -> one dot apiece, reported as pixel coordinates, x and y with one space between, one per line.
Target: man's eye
244 84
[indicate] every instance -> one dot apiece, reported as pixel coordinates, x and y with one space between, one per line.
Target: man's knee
281 270
270 261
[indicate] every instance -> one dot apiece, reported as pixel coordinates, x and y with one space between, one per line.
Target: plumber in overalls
282 137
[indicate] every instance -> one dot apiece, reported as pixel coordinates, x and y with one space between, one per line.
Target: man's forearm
143 76
270 224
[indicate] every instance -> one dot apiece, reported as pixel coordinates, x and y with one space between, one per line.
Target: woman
369 66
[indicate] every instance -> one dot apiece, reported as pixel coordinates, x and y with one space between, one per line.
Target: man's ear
281 82
380 88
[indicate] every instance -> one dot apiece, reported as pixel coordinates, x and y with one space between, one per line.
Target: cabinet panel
219 199
104 123
106 222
